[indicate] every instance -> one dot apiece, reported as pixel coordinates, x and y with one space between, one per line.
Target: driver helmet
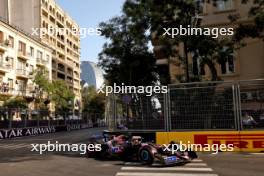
136 140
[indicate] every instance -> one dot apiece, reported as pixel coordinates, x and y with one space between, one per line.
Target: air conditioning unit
246 96
7 42
31 76
196 21
260 95
250 96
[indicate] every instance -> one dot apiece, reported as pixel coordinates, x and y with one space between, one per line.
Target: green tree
16 103
155 15
93 102
126 57
254 29
62 96
56 91
42 81
43 88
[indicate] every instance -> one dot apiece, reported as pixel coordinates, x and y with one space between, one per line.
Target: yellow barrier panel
246 141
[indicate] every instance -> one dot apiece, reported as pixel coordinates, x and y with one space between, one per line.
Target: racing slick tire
146 157
192 154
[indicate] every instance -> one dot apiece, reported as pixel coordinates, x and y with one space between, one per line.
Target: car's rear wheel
145 156
192 154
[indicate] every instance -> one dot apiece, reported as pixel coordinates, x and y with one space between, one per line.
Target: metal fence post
168 109
38 116
57 121
9 120
165 111
115 111
26 117
65 120
87 120
239 109
234 97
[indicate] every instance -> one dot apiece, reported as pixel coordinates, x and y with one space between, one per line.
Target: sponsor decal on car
170 159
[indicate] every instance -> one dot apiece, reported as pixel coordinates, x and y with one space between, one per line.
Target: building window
228 67
10 62
227 64
31 51
1 60
21 65
61 67
10 84
1 37
21 85
11 41
47 58
22 47
39 55
31 69
197 66
222 5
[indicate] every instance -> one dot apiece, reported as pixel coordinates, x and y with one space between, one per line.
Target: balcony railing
4 66
61 68
22 72
24 93
22 55
3 46
41 61
6 90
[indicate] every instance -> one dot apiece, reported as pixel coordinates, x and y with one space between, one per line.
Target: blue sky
89 13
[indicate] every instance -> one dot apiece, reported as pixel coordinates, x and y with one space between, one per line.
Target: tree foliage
126 57
62 96
41 80
254 29
156 15
93 102
56 91
16 102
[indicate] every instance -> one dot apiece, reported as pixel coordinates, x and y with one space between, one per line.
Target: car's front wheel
145 156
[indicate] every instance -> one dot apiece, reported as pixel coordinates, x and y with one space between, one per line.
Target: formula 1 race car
130 149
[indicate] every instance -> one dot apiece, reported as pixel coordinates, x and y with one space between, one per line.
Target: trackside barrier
243 141
24 118
203 112
32 131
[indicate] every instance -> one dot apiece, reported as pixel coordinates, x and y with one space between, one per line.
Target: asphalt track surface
17 159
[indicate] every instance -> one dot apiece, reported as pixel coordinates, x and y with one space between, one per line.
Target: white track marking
205 169
161 174
197 160
196 164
